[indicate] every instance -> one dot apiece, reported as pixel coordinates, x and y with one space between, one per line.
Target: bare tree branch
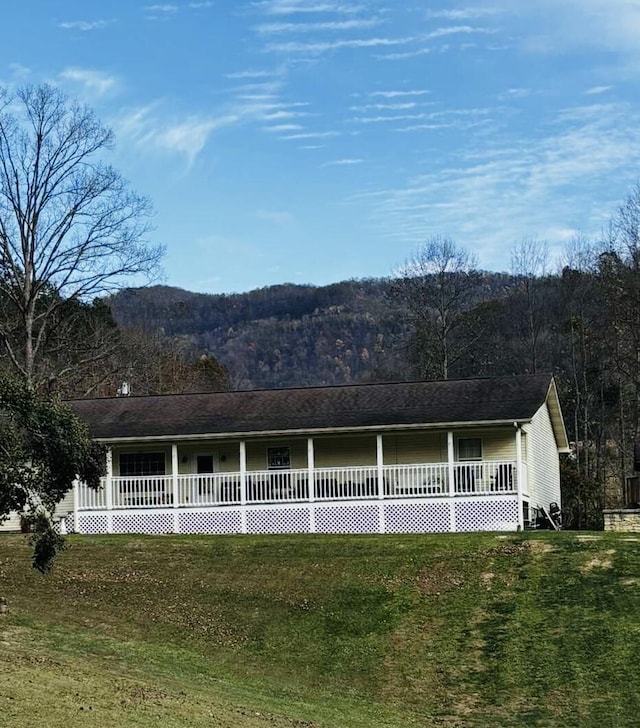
70 228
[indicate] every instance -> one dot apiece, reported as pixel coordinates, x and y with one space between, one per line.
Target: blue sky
310 141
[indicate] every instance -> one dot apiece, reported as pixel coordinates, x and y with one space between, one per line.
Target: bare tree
530 266
620 278
439 286
70 228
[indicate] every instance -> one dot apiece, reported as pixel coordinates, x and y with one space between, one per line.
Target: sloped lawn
461 630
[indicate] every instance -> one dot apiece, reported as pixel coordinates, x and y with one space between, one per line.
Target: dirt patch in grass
603 560
596 562
540 548
486 579
437 579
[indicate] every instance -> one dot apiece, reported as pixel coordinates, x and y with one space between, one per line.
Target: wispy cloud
438 33
190 137
387 118
163 11
19 71
292 7
280 128
458 30
85 25
397 94
560 27
385 107
518 93
166 11
278 217
164 8
313 135
596 90
337 25
94 82
324 46
147 128
524 181
283 114
347 162
250 74
462 13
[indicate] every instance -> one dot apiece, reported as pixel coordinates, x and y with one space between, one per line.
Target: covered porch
404 481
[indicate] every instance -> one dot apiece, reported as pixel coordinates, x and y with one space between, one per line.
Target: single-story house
456 455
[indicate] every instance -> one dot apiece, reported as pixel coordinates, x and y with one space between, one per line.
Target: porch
424 497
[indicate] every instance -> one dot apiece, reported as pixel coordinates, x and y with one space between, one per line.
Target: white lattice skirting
492 513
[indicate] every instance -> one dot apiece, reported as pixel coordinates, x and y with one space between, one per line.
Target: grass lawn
458 630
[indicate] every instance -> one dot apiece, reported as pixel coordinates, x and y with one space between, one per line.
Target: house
456 455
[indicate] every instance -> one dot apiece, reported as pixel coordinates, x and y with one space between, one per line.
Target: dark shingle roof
316 408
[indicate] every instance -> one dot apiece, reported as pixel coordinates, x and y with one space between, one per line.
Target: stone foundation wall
620 519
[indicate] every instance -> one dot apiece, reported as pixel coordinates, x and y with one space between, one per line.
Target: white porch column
451 454
108 485
174 486
380 464
243 486
76 503
519 477
311 466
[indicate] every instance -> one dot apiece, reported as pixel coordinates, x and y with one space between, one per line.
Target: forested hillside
288 335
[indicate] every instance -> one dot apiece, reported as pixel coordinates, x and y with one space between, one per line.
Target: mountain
279 336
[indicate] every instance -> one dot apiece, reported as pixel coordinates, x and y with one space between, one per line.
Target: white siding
65 506
11 524
415 447
63 509
496 444
542 460
347 450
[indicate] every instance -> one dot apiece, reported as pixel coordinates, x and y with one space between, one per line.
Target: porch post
311 465
519 478
380 464
108 485
174 486
76 503
452 481
243 486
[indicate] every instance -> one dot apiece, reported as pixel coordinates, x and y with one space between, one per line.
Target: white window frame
282 448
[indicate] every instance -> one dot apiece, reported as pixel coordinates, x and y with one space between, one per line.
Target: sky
312 141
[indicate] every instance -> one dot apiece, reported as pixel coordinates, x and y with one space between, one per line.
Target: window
278 457
204 464
469 448
141 463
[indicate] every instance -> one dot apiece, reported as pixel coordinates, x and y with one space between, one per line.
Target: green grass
451 630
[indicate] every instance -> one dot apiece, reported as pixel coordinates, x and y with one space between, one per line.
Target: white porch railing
416 480
210 489
425 480
351 483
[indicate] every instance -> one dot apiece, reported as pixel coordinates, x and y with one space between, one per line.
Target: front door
205 465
